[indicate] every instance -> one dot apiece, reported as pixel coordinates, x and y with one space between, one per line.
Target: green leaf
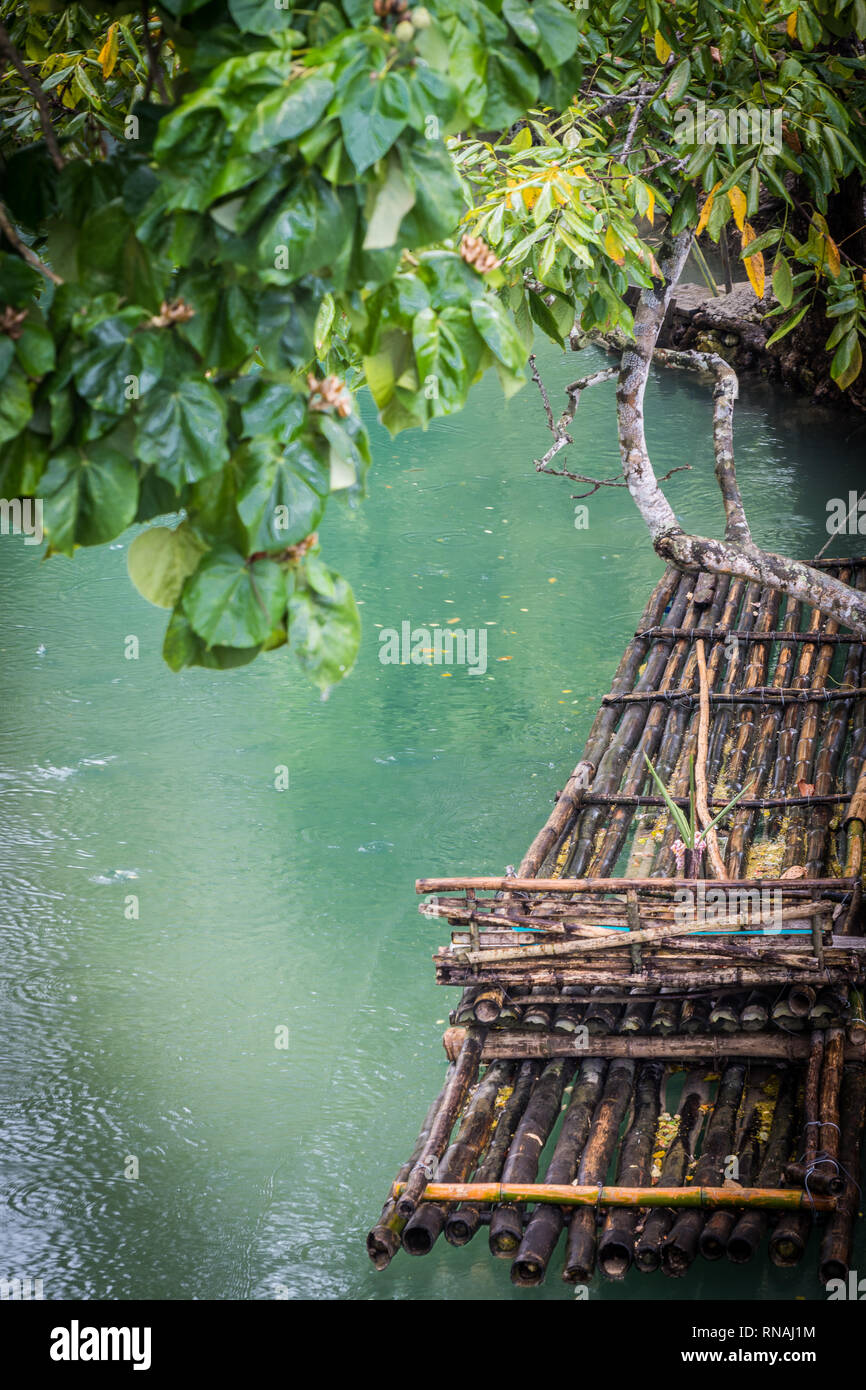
783 285
15 405
679 80
847 361
284 114
393 199
234 603
786 327
277 501
262 17
160 560
90 496
183 647
493 323
181 431
546 27
372 115
34 349
325 629
675 811
119 363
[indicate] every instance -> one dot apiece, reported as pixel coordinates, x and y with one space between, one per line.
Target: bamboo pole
837 1245
747 1234
558 822
711 1198
465 1073
521 1165
541 1047
383 1241
714 1237
634 1168
660 886
582 1233
675 1164
546 1222
461 1225
423 1230
680 1246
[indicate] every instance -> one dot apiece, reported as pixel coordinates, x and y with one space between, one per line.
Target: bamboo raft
650 1067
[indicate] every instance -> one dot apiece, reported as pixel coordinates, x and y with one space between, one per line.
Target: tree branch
9 51
737 555
24 252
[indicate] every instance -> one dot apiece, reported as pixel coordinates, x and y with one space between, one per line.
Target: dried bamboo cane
384 1240
616 1245
837 1245
619 745
826 766
546 1223
746 820
465 1073
675 1164
422 1231
521 1166
637 1014
746 1235
461 1225
680 1246
755 1013
595 1160
789 727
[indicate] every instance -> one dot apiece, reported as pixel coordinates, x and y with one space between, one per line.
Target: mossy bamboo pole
770 1046
749 1230
680 732
645 743
695 1015
680 1246
461 1158
461 1225
745 818
623 735
836 1247
465 1073
674 1166
558 822
786 740
636 1015
746 1154
580 1243
546 1222
569 1015
634 1168
521 1165
384 1240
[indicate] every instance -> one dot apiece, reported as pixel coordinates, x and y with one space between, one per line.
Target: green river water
260 1169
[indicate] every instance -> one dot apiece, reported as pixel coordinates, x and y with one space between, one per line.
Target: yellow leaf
663 49
108 52
651 206
707 208
754 264
831 250
613 246
791 25
737 200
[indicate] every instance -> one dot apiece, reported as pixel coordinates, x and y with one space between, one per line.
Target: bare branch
24 251
9 51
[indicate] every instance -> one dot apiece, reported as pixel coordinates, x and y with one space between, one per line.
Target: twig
154 71
24 251
544 396
8 49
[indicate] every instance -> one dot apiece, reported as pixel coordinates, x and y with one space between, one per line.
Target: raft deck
662 1067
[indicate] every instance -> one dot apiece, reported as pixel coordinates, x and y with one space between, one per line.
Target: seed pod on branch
477 253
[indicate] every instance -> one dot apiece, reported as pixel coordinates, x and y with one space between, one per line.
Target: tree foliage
221 219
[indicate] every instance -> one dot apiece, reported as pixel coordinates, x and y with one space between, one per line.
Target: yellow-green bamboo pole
713 1198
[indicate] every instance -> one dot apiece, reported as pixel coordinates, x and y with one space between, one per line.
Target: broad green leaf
277 501
16 407
783 285
160 560
181 431
492 321
284 114
325 630
372 115
392 201
90 496
232 602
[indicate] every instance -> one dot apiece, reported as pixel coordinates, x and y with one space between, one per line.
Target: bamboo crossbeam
761 695
505 1044
746 803
496 884
721 633
567 1195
